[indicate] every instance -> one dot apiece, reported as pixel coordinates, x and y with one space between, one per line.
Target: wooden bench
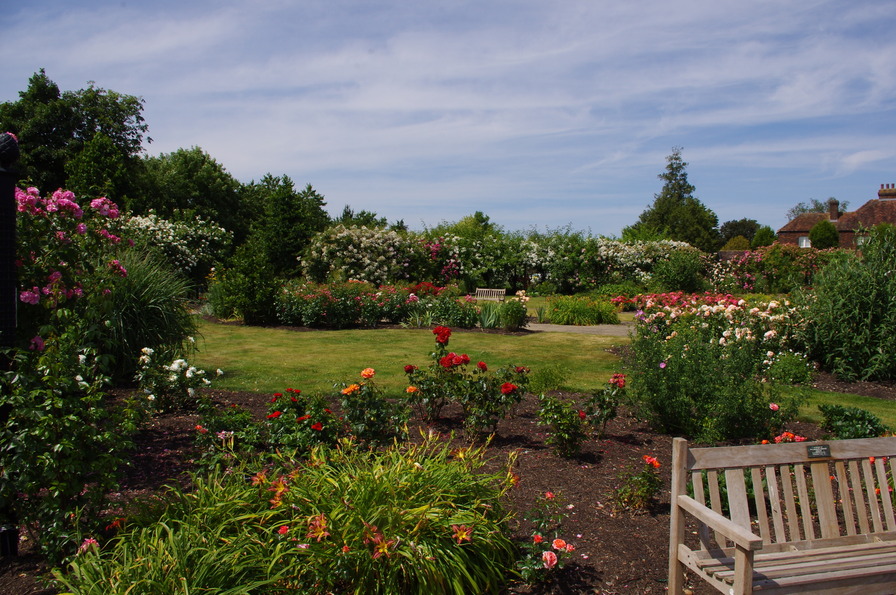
493 295
806 517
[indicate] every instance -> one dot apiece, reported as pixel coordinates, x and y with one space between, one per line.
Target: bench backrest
797 492
490 294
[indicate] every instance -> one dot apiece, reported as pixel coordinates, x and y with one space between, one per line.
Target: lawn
269 360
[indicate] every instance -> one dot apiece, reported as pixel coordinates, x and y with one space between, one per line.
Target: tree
360 219
739 243
742 227
676 211
190 182
287 222
824 235
54 128
765 236
813 206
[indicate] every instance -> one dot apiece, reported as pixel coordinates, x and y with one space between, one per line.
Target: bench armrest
741 537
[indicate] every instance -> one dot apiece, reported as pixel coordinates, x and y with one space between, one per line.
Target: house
879 210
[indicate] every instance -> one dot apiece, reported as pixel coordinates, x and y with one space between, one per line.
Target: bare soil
617 552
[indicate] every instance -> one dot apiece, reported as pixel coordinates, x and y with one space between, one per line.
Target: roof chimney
833 209
887 192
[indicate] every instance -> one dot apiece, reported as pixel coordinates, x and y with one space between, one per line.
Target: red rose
317 426
581 414
275 415
409 369
482 366
442 334
507 388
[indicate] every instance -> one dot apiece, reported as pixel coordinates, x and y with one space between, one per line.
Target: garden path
611 330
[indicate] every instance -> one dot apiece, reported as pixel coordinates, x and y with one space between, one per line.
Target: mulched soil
616 552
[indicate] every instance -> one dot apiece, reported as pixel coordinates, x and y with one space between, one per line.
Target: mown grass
268 360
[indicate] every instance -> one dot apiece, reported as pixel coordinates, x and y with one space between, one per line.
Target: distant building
879 210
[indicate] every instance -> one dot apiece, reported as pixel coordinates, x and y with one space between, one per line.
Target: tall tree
191 182
54 128
741 227
287 222
675 211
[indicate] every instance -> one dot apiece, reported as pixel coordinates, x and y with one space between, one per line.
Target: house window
804 242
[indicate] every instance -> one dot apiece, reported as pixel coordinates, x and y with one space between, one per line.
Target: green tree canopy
741 227
677 212
287 222
765 236
191 182
54 128
362 218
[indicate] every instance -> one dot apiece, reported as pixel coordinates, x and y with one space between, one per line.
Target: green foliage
54 128
851 422
412 519
674 346
513 314
824 235
675 210
570 423
638 486
850 324
287 222
61 445
737 243
189 182
342 305
371 418
745 228
580 311
765 236
248 287
682 271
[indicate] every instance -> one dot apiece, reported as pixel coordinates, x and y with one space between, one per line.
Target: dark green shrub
684 270
765 236
851 422
824 235
850 319
738 243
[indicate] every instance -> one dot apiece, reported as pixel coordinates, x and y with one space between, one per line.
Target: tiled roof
804 222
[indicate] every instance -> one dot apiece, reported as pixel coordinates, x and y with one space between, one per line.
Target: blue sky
540 114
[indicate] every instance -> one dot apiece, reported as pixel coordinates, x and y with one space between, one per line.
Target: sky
543 115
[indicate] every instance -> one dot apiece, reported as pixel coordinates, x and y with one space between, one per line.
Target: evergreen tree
675 211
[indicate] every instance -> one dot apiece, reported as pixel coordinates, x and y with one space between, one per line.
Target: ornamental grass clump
416 518
486 397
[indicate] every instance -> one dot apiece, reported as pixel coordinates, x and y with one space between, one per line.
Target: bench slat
814 537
